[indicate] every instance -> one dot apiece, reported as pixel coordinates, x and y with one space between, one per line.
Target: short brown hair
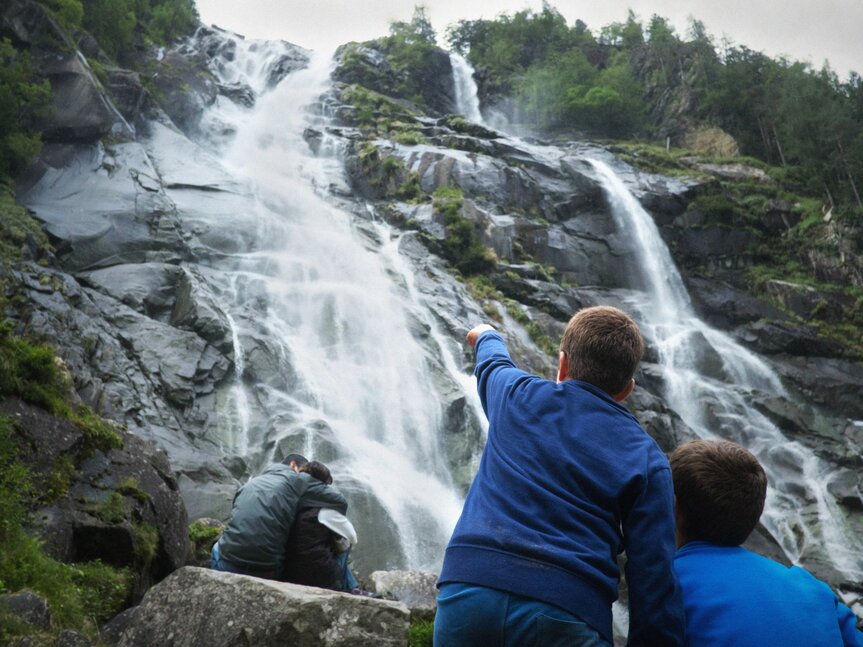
317 470
720 489
603 346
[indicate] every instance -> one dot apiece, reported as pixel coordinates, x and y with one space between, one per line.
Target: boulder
196 606
112 630
417 590
27 607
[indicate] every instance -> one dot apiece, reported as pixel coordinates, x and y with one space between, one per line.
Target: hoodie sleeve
320 495
656 614
851 636
494 370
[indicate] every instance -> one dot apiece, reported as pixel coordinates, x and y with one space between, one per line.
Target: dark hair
318 471
603 346
720 489
299 459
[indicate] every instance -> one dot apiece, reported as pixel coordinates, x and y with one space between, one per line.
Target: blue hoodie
735 598
568 479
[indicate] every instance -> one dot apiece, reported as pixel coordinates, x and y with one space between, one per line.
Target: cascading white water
467 100
316 294
708 377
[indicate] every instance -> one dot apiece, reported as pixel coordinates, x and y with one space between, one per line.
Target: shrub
421 634
22 101
461 247
79 595
31 372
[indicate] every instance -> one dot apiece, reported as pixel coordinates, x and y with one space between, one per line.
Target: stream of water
321 298
708 377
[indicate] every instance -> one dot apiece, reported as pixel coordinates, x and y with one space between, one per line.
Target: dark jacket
310 556
264 511
568 479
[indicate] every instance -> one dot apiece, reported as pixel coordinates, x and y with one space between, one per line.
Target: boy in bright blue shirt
568 480
732 596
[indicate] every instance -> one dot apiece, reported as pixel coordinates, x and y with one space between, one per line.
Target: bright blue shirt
736 598
567 480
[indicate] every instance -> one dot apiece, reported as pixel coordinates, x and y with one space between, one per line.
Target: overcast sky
807 30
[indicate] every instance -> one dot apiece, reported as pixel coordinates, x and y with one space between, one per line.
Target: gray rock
102 205
30 23
726 306
112 630
415 589
81 112
28 608
772 337
70 638
808 303
197 606
148 288
127 92
845 486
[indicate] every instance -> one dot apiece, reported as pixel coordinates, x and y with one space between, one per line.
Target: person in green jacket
263 511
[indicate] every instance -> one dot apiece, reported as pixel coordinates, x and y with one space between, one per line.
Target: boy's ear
562 368
620 397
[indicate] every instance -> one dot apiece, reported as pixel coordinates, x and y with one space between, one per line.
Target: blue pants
476 616
218 563
350 580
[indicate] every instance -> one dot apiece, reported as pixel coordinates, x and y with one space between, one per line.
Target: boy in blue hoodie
567 481
731 595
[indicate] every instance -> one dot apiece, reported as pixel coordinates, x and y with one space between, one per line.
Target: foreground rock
196 606
416 589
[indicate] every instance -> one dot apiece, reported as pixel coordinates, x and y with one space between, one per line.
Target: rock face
81 111
121 506
197 606
371 65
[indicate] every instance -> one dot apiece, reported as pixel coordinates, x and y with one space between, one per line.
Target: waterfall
321 322
467 101
708 377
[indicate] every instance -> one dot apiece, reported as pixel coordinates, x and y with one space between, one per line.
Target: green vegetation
18 227
117 24
380 116
546 344
23 99
409 50
421 633
462 246
79 595
643 80
33 373
484 291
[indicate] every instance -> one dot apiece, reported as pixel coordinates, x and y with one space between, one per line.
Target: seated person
732 596
319 542
264 509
